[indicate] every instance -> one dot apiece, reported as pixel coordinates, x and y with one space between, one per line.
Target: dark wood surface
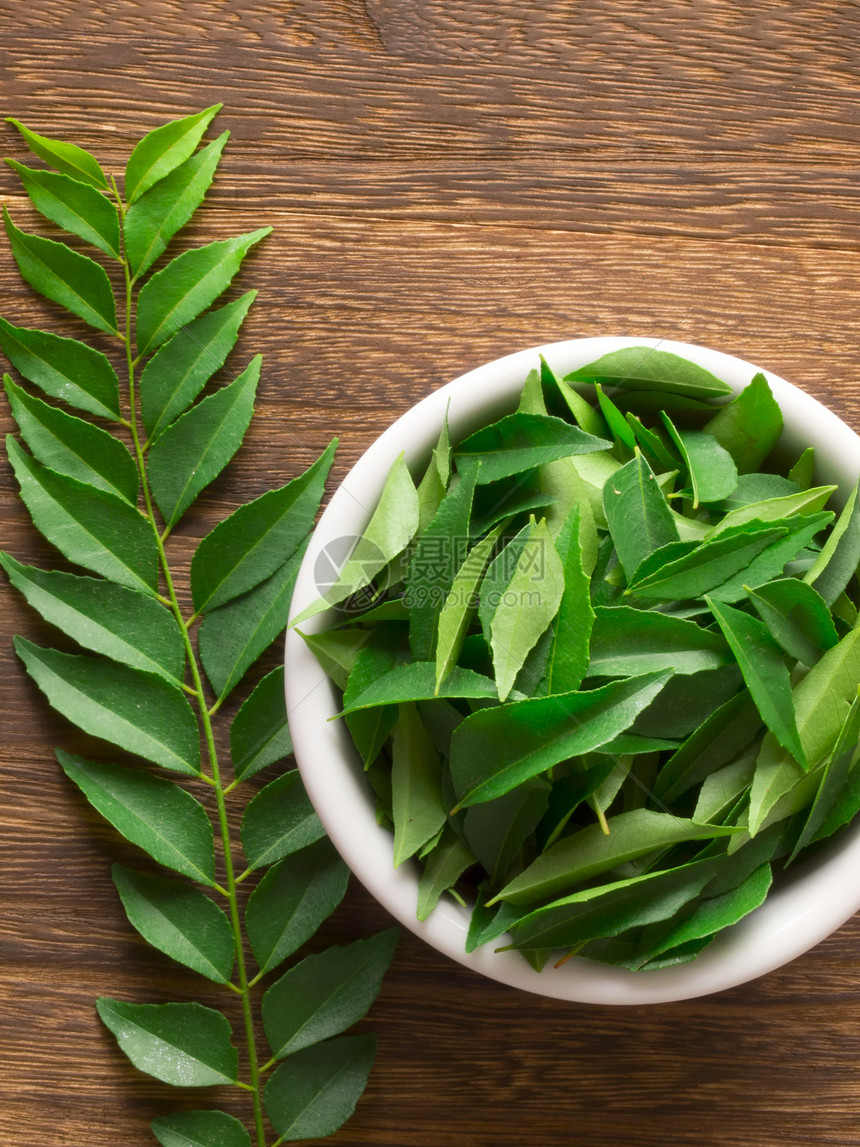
448 180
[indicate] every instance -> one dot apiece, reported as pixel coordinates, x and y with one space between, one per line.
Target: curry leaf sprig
107 486
604 679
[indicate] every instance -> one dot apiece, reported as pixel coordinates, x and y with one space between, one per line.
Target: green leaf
663 576
803 470
232 637
712 915
326 993
443 867
438 555
187 1045
628 642
178 920
766 676
416 784
292 900
561 482
610 909
370 729
155 814
487 924
63 368
586 416
121 623
568 658
749 426
496 749
840 763
162 150
64 276
416 681
200 1129
796 617
821 701
193 451
73 447
719 738
187 286
258 537
140 712
435 480
711 470
772 561
660 457
153 219
96 529
721 790
337 651
644 368
76 207
595 470
619 428
65 157
639 517
179 370
259 733
520 442
391 528
459 605
531 398
775 509
840 554
592 851
686 700
755 487
528 605
496 830
498 575
316 1090
278 821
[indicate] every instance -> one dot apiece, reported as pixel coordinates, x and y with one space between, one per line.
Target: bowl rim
822 894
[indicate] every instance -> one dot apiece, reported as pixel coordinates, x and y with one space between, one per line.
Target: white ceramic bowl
820 895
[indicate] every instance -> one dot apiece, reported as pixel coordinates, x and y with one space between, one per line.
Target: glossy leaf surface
326 993
259 733
64 276
91 527
179 370
75 206
292 900
64 368
188 285
256 539
178 920
162 150
140 712
121 623
193 451
155 814
279 820
187 1045
315 1091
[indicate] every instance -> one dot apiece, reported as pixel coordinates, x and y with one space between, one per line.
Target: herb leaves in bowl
600 661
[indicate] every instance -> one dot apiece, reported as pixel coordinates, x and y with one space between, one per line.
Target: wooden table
447 181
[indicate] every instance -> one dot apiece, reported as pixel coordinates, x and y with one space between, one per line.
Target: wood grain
447 181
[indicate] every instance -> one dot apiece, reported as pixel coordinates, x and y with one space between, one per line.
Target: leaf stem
197 690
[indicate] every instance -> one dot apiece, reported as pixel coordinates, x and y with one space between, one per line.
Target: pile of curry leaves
157 661
606 681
